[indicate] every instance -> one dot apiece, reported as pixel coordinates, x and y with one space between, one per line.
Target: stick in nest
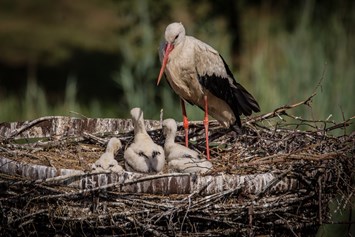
28 125
282 110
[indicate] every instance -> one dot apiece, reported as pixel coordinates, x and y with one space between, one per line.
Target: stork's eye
176 37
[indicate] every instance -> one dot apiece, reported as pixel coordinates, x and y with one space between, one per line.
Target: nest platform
275 179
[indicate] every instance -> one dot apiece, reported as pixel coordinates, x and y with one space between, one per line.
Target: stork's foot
237 129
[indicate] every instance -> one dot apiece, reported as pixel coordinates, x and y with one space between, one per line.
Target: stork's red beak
169 47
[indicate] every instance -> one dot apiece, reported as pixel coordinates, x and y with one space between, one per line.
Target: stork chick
180 158
143 155
107 160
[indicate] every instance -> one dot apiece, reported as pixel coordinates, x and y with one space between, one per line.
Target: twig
29 215
197 191
339 125
153 177
97 139
288 224
250 215
28 125
146 227
76 113
281 110
187 210
319 84
320 200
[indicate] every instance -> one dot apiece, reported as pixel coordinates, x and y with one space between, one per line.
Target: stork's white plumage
189 165
107 160
172 149
200 76
180 158
143 155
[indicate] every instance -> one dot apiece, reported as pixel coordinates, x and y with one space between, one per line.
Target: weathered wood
174 183
60 126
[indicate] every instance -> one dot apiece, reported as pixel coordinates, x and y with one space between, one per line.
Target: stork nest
307 166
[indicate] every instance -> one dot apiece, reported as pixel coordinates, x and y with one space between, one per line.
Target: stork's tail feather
246 102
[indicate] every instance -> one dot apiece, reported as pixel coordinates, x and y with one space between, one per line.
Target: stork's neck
139 127
110 149
170 138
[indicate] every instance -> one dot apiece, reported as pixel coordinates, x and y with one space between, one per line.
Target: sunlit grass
286 67
34 104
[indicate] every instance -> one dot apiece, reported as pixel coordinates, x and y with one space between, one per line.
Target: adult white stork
200 76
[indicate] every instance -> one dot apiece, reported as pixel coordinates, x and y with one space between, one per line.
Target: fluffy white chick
107 160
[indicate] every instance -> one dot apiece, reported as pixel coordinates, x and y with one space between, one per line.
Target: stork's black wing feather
229 90
246 100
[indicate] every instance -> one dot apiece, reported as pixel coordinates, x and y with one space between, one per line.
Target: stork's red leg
185 122
205 122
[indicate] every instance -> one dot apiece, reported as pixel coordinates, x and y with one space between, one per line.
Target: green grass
287 66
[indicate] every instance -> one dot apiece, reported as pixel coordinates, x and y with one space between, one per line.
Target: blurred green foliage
48 32
342 212
99 58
